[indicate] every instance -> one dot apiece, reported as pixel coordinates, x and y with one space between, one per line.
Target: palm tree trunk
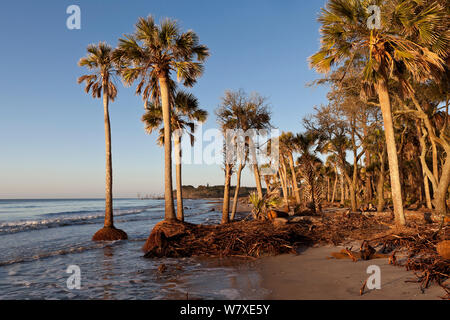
367 160
109 178
258 180
289 186
236 191
328 189
334 186
294 179
284 187
383 95
313 194
353 201
180 208
345 190
380 185
267 182
341 178
352 192
226 195
168 195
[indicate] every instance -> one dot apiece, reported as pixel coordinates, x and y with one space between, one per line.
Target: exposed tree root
242 238
420 244
109 234
418 241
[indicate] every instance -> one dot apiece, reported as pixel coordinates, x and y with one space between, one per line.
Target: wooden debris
419 246
361 291
240 239
418 242
393 259
367 251
350 254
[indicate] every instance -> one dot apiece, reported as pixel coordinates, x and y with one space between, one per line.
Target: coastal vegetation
185 114
150 56
362 165
214 192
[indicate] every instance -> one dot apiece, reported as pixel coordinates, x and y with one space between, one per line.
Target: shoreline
313 273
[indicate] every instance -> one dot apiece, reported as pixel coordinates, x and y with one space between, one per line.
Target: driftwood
420 249
109 234
254 238
357 255
361 291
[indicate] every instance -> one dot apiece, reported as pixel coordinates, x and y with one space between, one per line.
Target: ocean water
40 239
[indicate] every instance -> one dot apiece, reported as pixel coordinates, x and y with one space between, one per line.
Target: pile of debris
241 238
256 238
419 248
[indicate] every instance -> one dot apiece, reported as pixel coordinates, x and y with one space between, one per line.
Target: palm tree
150 56
98 83
238 111
388 53
309 166
185 113
228 168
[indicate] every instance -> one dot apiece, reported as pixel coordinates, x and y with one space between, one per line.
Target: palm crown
185 113
389 51
154 51
99 60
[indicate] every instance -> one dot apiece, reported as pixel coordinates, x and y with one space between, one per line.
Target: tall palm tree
186 113
228 169
388 54
150 56
100 83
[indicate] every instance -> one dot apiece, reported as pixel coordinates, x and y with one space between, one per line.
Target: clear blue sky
51 132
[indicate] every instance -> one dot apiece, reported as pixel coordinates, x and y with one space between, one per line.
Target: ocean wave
59 252
62 221
118 209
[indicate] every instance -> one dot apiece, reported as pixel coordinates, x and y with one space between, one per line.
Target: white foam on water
26 225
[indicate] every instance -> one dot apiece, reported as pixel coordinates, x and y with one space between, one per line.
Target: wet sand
310 275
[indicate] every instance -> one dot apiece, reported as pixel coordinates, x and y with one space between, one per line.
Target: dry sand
243 208
310 275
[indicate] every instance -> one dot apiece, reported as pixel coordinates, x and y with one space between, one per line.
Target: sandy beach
314 274
310 275
243 208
